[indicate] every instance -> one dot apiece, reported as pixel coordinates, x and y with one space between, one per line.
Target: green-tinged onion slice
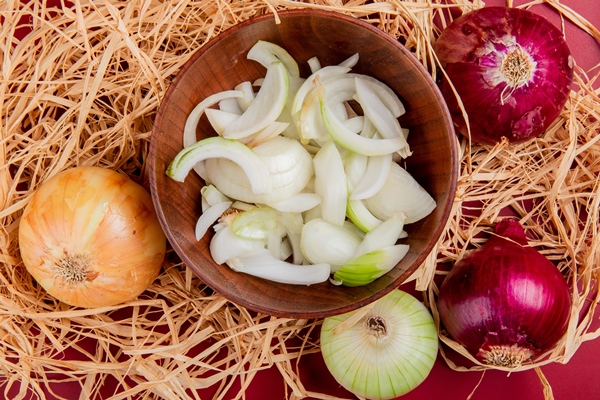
218 147
364 269
381 351
256 224
360 215
350 140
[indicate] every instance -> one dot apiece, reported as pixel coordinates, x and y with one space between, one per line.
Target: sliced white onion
366 268
266 106
189 130
226 245
267 53
230 105
244 101
256 224
323 242
297 203
289 165
212 195
309 121
355 166
387 125
262 264
209 217
376 174
355 124
217 147
351 141
360 215
269 132
384 235
220 119
351 61
330 183
314 64
407 195
322 75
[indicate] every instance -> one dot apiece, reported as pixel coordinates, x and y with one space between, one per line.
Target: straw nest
89 98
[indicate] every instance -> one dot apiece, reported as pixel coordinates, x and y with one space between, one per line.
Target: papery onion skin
90 237
471 50
505 302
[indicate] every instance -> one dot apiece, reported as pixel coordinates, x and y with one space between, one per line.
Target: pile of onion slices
302 179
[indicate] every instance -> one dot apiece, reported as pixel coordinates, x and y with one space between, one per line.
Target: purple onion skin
504 302
471 50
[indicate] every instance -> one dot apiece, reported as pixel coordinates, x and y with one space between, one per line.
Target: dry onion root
91 96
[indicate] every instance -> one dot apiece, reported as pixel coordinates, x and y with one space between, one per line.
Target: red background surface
576 380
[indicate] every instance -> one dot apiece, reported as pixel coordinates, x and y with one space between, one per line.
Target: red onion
512 70
505 302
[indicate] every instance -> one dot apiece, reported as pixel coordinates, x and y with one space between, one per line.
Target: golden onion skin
90 237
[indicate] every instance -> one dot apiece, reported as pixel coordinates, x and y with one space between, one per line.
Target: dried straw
83 88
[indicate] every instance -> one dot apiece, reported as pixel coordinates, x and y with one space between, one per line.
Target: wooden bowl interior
220 65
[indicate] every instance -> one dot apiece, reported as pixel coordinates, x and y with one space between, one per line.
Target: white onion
381 352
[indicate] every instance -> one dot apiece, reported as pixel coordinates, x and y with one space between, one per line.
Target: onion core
505 302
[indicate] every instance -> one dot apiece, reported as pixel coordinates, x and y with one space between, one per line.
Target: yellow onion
90 237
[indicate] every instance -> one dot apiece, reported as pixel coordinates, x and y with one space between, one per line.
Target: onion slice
408 195
365 268
351 141
218 147
330 183
266 106
262 264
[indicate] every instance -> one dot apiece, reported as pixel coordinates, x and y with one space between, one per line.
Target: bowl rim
445 212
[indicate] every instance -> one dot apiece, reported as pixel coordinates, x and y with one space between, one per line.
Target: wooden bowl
220 65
